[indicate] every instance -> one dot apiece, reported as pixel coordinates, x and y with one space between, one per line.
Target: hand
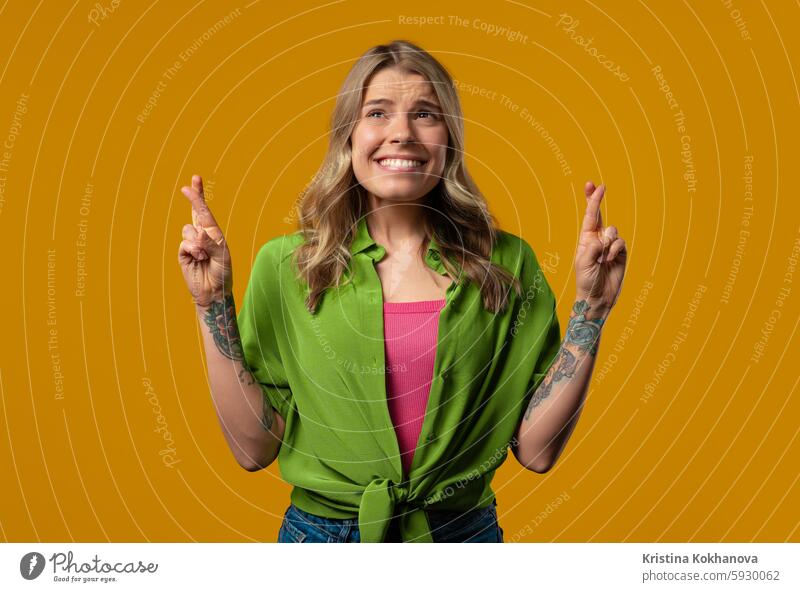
203 254
601 256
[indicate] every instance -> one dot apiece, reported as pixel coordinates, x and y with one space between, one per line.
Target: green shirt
325 375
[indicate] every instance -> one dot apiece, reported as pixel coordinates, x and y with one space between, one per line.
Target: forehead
398 84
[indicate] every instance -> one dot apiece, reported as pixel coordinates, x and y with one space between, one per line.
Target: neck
395 224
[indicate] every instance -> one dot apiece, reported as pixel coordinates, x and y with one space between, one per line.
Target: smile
394 164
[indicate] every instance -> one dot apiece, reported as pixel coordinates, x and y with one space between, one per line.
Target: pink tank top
410 331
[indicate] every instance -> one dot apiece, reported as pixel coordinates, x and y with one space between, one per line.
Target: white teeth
396 163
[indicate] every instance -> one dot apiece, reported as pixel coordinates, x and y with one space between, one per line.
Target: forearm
250 425
555 406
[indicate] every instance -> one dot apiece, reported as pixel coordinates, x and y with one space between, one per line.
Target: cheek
437 142
365 141
436 137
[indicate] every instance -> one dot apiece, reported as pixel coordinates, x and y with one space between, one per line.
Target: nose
401 130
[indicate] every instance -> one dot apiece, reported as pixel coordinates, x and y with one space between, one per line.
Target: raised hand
203 254
601 255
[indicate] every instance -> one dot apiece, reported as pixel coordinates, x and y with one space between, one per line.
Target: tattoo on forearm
246 378
267 415
563 367
220 318
581 332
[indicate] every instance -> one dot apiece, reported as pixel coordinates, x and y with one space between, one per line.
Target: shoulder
279 248
514 253
521 260
272 266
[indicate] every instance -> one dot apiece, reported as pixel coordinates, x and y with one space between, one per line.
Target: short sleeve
257 331
544 335
552 343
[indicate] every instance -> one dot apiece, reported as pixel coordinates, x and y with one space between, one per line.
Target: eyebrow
380 101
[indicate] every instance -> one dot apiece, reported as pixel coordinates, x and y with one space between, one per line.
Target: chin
398 193
400 189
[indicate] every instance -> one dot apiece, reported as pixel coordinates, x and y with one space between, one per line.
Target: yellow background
707 454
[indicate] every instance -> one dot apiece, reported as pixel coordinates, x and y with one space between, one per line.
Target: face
400 121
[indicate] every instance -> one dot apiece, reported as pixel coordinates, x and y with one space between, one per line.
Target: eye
431 114
373 112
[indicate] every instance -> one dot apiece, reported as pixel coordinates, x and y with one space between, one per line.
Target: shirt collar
363 242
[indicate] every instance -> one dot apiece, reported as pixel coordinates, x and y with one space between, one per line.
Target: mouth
401 165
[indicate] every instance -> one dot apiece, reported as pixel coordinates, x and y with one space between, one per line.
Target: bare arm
600 262
252 428
558 401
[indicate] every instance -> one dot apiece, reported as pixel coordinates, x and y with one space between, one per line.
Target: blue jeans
473 526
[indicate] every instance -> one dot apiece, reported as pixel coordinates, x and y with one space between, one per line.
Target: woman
391 351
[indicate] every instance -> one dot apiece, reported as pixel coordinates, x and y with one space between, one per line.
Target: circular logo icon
31 565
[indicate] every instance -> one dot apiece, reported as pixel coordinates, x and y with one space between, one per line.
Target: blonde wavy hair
456 214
